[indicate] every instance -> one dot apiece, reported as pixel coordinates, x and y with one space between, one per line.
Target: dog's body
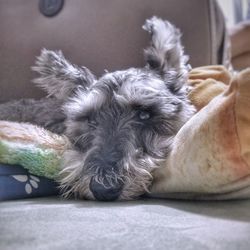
121 125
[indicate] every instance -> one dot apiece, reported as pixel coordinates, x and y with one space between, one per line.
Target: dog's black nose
102 193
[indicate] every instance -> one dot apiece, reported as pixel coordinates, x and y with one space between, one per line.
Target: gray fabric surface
50 223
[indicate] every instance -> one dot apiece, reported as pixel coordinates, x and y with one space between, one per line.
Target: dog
121 125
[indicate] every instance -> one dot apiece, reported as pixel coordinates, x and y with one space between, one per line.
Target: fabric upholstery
145 224
100 35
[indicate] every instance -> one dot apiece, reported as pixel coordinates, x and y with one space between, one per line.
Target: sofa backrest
98 34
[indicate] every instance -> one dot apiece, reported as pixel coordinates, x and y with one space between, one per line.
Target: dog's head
122 124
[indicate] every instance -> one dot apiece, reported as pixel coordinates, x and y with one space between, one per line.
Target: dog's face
121 125
122 128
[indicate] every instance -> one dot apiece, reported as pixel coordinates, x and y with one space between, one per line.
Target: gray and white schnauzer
122 125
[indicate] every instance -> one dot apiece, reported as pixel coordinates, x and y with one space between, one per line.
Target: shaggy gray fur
121 125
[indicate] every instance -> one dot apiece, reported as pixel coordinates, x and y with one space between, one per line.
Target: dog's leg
58 77
45 112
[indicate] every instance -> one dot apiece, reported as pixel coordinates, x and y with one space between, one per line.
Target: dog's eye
81 118
92 122
144 115
87 118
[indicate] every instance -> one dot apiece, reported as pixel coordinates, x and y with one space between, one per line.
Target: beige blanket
211 153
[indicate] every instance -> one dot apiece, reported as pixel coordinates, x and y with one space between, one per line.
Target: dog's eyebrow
137 105
83 103
143 93
84 115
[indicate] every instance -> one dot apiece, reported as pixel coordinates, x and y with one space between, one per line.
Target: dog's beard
135 174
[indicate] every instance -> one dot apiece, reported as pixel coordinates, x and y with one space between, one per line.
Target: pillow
211 153
17 183
34 153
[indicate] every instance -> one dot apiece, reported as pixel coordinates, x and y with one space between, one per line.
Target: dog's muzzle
102 193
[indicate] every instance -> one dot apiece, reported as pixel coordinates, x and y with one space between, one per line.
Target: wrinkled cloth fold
211 153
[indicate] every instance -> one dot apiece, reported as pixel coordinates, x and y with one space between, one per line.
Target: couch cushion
48 223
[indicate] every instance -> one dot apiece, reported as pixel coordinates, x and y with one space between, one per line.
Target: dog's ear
166 55
58 77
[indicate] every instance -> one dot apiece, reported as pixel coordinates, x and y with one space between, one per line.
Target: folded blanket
206 83
211 153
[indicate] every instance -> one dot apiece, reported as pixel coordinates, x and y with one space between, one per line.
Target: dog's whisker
78 139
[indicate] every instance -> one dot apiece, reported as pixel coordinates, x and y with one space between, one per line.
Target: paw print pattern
29 180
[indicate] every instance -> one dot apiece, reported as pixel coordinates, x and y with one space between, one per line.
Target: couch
107 35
